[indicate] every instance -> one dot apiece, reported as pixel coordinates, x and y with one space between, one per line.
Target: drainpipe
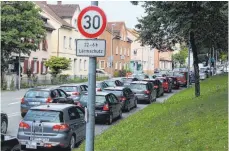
58 43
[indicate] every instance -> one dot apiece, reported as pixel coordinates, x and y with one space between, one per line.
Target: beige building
140 55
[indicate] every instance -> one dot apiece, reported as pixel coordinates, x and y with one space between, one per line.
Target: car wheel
136 103
162 94
110 119
128 107
155 99
150 100
4 126
72 143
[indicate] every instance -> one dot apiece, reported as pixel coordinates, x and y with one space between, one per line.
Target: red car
166 84
182 78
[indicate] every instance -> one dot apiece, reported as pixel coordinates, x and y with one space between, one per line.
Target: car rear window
138 86
98 98
44 115
37 94
69 88
98 85
127 79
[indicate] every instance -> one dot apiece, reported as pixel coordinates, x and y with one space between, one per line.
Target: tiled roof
64 10
45 7
117 27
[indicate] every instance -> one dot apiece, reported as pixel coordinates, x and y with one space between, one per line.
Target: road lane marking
14 103
14 114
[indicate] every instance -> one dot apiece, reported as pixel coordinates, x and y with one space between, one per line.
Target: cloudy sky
115 10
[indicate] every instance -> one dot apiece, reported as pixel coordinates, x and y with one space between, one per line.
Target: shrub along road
183 122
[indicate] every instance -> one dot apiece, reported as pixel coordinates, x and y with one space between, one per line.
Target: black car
4 123
40 96
107 106
113 83
125 96
157 85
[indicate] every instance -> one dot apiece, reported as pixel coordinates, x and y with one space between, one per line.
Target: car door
112 105
55 95
104 85
132 97
154 90
149 87
83 89
82 123
64 97
74 122
117 105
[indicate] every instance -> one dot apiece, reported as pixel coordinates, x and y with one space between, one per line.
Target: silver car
51 126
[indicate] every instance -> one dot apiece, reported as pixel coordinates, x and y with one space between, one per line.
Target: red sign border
104 18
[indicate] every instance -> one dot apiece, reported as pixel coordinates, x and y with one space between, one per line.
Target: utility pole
19 70
90 125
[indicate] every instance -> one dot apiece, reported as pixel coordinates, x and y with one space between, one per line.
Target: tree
197 23
21 29
57 64
180 57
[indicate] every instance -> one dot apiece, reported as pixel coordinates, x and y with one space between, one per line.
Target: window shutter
37 67
43 44
32 65
46 45
25 66
41 67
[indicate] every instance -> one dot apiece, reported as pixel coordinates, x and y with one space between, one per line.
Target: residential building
142 57
163 59
118 48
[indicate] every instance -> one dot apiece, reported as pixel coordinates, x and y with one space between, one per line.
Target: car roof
114 88
71 85
99 93
140 82
43 89
149 79
53 106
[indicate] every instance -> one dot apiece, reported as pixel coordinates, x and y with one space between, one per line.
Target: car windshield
69 88
98 85
98 98
178 74
111 83
138 86
115 92
44 115
127 80
37 94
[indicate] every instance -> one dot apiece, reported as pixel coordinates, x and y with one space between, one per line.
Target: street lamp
111 58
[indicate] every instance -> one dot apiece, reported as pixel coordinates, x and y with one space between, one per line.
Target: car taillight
99 89
75 93
122 99
147 92
24 125
166 83
155 87
49 100
60 127
106 107
22 101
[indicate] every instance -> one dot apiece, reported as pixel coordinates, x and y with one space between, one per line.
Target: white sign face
91 47
92 22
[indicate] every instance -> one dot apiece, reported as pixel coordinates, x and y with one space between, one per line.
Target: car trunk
34 101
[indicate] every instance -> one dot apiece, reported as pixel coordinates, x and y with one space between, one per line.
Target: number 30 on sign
92 22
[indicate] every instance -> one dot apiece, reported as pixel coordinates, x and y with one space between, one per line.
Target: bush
116 73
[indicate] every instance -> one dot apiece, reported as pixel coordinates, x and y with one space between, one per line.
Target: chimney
59 2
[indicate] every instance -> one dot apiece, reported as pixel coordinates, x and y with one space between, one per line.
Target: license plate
35 103
40 139
31 145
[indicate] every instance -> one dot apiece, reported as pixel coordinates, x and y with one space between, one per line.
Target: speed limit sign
92 22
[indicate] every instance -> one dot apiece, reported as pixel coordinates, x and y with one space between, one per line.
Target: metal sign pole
90 126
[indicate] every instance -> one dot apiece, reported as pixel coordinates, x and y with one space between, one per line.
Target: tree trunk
195 63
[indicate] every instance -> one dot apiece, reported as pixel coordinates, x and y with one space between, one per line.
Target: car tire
162 94
110 120
150 100
136 103
155 99
71 144
128 107
4 125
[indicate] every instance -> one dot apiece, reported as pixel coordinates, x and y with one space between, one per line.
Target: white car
226 69
202 76
219 71
101 73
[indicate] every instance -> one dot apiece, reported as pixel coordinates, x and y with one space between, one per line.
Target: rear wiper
38 97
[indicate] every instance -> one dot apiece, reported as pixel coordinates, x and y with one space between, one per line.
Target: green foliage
116 73
183 122
224 56
180 56
19 20
57 64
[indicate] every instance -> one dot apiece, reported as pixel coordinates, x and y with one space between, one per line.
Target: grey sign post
91 28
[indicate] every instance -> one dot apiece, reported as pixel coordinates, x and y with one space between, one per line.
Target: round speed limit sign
91 22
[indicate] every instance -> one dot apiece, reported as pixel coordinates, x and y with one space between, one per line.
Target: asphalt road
10 104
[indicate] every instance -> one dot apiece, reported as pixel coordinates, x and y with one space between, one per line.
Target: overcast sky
115 10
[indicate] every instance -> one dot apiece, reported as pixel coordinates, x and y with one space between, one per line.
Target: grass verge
183 123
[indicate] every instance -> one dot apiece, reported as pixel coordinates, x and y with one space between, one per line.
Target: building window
116 50
102 64
121 51
70 42
75 43
35 66
120 65
64 44
85 65
80 64
43 67
124 51
116 65
44 44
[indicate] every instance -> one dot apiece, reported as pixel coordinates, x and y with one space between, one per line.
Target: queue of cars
55 117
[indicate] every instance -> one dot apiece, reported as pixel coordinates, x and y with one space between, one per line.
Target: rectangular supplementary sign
91 47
